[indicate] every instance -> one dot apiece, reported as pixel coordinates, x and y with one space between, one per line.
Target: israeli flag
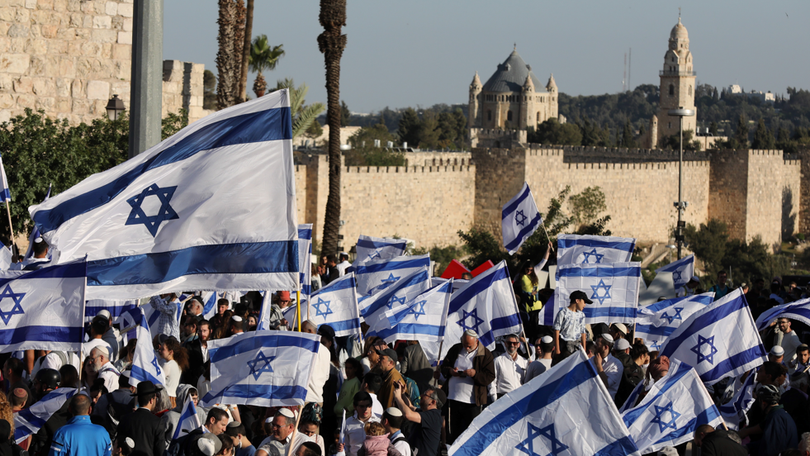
5 191
519 219
486 305
43 309
736 410
374 248
671 411
657 321
145 364
383 272
682 270
35 233
28 421
720 340
420 319
613 288
797 310
305 259
5 257
209 304
188 421
115 308
587 249
399 293
184 214
336 305
262 368
567 410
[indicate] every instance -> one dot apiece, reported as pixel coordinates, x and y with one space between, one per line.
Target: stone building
512 99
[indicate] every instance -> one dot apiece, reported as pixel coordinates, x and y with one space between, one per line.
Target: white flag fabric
588 249
671 411
28 421
262 368
145 364
184 214
5 192
613 288
797 310
209 304
188 421
719 340
374 273
374 248
336 305
519 219
682 270
115 308
736 410
486 305
399 293
567 410
35 233
305 259
43 309
420 319
5 257
657 321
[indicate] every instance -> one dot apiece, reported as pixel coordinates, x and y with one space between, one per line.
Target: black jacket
144 428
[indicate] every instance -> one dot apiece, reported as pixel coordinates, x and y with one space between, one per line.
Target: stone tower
475 102
551 87
677 85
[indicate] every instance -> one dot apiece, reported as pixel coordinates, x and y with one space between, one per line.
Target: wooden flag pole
10 226
547 236
298 304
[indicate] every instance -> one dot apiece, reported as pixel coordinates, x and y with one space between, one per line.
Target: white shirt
172 372
320 374
402 446
376 407
614 369
341 267
110 375
356 433
204 351
275 448
509 373
462 388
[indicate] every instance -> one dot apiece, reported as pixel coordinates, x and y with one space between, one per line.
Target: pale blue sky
422 52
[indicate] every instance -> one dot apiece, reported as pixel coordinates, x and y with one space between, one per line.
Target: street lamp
114 107
680 205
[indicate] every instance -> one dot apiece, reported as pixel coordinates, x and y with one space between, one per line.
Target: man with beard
510 368
101 365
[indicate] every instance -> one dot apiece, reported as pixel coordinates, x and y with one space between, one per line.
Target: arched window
671 90
509 116
538 116
690 90
489 115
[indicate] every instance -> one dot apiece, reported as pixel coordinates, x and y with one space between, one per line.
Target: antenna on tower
679 12
630 69
624 76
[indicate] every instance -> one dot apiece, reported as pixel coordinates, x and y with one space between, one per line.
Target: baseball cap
440 397
390 353
622 344
580 295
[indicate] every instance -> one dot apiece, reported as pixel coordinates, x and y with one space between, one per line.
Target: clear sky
423 52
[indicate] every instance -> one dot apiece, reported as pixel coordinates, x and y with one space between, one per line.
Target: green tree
263 57
674 142
442 256
551 131
709 242
586 206
303 115
628 140
173 123
409 129
429 131
740 139
763 138
452 126
364 153
345 114
315 130
209 90
481 246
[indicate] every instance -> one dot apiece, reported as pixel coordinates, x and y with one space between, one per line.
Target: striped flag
29 421
657 321
399 293
735 410
188 421
336 305
373 248
144 361
587 249
5 191
797 310
682 270
613 288
381 272
520 218
305 260
115 308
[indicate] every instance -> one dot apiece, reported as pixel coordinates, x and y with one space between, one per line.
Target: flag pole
298 415
10 226
543 224
435 380
298 310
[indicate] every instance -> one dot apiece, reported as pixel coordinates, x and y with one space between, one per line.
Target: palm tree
263 57
246 50
302 115
331 44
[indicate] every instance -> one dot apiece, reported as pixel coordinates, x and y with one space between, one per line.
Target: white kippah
607 337
393 411
471 333
287 413
268 420
546 340
236 318
102 349
37 240
206 447
130 443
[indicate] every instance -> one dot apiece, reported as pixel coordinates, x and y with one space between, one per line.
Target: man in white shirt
277 444
355 425
608 367
110 335
100 358
344 263
320 372
787 338
510 368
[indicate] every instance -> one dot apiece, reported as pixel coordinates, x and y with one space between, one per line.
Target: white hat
287 413
237 318
607 337
37 240
695 279
471 333
546 340
104 314
102 349
620 327
622 344
393 411
777 350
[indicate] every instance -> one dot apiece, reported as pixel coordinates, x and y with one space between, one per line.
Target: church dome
679 32
511 76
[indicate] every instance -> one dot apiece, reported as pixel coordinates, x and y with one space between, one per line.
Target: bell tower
677 84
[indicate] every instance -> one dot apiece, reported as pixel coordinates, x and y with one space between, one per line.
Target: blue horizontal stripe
345 325
675 265
707 319
254 391
115 311
525 232
509 209
62 271
740 359
373 245
482 284
382 299
242 258
267 125
343 283
790 312
610 312
252 342
623 246
44 334
143 375
705 417
32 419
392 265
600 271
410 329
305 234
500 324
624 445
665 331
545 394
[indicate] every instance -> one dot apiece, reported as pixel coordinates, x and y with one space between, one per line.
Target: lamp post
680 205
114 107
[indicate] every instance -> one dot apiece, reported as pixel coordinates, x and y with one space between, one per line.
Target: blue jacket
80 437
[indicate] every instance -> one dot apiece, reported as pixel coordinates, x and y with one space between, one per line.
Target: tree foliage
303 115
263 57
364 152
552 132
442 256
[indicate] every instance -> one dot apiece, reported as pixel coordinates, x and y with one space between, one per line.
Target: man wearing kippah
607 366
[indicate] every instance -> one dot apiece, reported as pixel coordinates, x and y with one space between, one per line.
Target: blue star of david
156 365
152 222
520 218
318 311
396 300
588 255
654 345
17 309
676 276
476 321
375 254
417 312
527 446
675 316
390 279
698 349
659 415
257 371
596 289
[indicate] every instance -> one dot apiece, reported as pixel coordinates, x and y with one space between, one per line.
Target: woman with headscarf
311 419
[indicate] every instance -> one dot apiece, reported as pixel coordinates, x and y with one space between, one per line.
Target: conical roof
551 82
511 75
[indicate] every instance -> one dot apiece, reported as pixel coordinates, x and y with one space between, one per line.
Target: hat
393 411
390 353
326 330
37 240
283 295
286 413
471 333
102 349
607 338
777 350
105 314
580 295
695 279
620 327
19 392
146 387
441 398
546 340
622 344
237 318
209 444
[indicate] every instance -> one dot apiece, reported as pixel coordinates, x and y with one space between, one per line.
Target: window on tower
489 115
690 90
509 116
671 90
